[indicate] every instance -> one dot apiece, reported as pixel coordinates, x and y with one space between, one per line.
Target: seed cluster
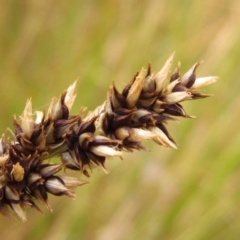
139 112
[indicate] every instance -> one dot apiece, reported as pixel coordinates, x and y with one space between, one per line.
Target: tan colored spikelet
27 119
161 76
70 95
136 88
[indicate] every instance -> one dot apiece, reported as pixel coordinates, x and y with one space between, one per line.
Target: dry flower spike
139 112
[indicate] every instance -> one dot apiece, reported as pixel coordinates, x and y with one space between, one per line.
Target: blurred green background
189 193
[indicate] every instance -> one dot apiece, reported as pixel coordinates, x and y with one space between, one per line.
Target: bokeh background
189 193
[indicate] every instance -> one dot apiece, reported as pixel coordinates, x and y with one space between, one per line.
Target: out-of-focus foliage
189 193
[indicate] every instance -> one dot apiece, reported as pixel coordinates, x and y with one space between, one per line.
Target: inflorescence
139 112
